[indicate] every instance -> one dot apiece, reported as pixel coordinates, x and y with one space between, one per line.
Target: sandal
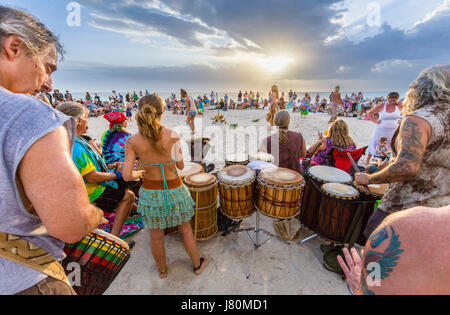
199 269
163 275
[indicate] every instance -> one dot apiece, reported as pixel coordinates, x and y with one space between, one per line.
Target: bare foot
203 263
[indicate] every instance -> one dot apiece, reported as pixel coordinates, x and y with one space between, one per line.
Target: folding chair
340 160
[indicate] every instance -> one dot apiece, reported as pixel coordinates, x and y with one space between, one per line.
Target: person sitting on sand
338 137
165 202
291 145
114 139
99 180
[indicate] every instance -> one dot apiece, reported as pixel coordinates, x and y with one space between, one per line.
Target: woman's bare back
170 151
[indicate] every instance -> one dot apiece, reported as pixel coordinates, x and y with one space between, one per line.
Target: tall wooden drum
203 189
190 168
236 187
280 193
336 212
316 177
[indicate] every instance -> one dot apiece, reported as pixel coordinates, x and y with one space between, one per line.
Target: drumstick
356 169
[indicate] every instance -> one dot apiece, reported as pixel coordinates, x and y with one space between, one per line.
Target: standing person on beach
390 116
274 105
419 169
191 111
336 100
165 202
44 202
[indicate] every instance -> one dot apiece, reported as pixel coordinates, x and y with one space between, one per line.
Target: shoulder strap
25 253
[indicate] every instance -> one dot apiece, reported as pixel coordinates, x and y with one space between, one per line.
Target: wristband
118 174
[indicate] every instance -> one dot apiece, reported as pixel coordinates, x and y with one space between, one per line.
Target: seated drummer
102 190
292 146
337 137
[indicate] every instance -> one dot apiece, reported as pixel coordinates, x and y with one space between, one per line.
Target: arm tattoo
386 261
409 159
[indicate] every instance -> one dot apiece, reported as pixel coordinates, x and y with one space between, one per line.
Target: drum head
190 168
260 165
340 191
112 238
328 174
237 158
200 180
281 177
262 156
237 174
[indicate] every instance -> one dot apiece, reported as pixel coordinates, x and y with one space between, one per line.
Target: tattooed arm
403 256
411 144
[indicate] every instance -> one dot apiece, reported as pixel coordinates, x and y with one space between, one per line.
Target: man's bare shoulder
407 253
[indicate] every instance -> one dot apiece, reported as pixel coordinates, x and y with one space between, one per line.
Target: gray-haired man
44 202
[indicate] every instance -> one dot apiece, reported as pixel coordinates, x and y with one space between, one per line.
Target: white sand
278 268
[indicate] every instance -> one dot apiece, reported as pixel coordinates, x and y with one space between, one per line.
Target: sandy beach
278 269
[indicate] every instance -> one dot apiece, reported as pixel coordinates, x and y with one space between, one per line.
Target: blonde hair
338 133
282 121
431 87
147 118
276 91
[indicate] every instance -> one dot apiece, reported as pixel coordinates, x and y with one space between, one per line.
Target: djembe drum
203 189
101 257
316 176
280 193
236 189
336 212
236 159
262 156
190 168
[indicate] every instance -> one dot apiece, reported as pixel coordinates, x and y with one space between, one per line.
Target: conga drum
316 176
203 189
336 212
236 159
262 156
101 257
280 193
236 189
190 168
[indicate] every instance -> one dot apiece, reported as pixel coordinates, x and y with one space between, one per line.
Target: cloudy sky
226 45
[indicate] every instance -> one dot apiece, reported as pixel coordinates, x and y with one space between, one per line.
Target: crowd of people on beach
58 185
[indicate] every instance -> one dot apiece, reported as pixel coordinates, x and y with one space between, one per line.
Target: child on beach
383 150
129 113
164 201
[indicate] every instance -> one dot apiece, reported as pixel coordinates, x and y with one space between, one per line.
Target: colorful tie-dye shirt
87 161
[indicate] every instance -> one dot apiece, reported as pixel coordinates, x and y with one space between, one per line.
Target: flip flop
163 275
199 269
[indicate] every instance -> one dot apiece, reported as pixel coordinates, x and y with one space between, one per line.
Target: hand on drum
362 179
351 268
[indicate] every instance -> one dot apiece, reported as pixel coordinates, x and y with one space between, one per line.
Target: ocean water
104 96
